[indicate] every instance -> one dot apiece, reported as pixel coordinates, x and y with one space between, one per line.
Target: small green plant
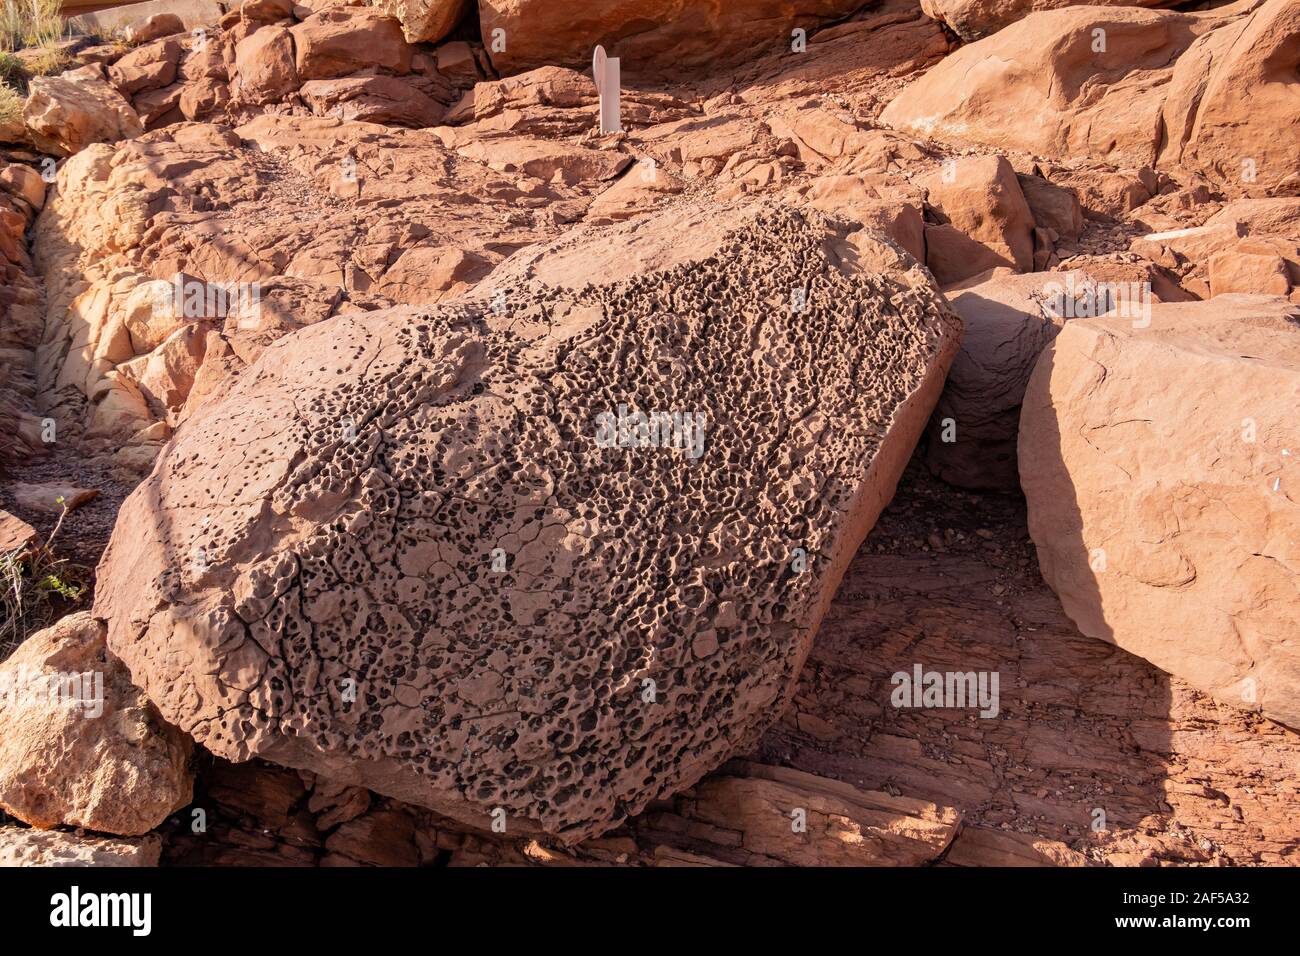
38 588
30 23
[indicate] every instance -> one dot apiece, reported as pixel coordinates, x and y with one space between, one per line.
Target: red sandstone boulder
154 27
424 21
343 40
145 68
1277 217
372 99
266 11
66 113
24 182
973 19
1133 87
1156 462
265 70
50 497
646 34
980 197
1073 82
16 535
1008 321
1232 111
1252 267
883 208
82 746
1053 206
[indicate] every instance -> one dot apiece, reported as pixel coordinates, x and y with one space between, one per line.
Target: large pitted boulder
645 34
66 113
81 745
1160 465
450 562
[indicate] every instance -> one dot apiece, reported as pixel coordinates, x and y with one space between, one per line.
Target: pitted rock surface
333 516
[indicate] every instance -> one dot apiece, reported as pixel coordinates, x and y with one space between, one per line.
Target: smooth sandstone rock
1248 269
153 27
1053 207
645 34
456 60
265 70
16 535
856 197
372 99
50 497
637 192
355 548
1039 86
1192 92
1074 82
1105 193
342 40
23 181
145 68
980 196
1180 246
974 19
1278 217
82 746
1156 463
1232 111
955 257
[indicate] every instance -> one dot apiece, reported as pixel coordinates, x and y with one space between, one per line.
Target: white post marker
605 72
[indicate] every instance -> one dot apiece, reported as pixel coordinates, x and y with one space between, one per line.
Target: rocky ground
423 272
